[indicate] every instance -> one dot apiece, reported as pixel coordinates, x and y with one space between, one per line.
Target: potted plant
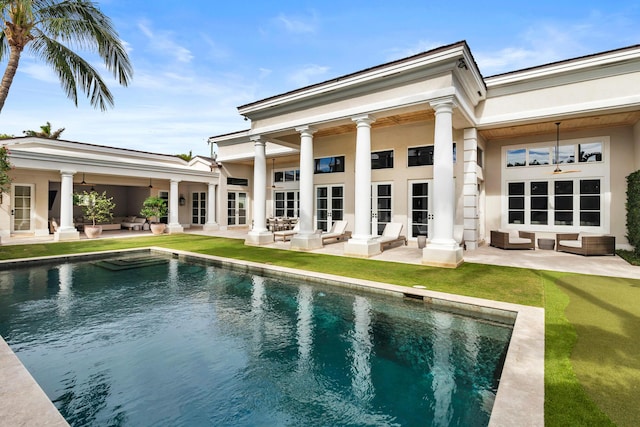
153 208
95 207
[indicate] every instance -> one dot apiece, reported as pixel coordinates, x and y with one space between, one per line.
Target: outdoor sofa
513 239
586 244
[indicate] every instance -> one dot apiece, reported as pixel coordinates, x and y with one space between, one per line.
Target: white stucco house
430 142
47 172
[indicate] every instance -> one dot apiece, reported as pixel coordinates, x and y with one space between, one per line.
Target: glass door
329 206
198 207
381 212
21 208
236 208
420 211
164 195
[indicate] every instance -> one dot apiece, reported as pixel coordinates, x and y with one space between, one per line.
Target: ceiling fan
557 170
273 186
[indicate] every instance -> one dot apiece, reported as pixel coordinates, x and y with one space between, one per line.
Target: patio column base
63 235
256 238
174 228
306 242
210 227
362 248
442 256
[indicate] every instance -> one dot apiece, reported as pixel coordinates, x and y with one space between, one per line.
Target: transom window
423 156
286 175
382 159
540 156
329 164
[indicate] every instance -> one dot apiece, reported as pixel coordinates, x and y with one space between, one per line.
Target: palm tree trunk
9 74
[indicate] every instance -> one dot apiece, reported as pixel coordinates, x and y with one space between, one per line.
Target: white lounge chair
287 234
391 235
338 231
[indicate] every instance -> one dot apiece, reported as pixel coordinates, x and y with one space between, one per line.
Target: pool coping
520 396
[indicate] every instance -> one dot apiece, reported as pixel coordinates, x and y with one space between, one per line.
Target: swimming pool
157 341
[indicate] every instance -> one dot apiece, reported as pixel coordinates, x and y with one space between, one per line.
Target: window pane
590 203
539 217
564 218
563 187
420 156
564 203
589 186
590 219
591 152
539 203
322 192
516 202
539 156
279 177
336 191
516 157
567 154
516 188
329 164
539 188
384 190
420 189
382 159
479 157
289 176
516 217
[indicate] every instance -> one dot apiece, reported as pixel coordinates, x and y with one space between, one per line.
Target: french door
420 208
164 195
287 203
198 207
21 208
329 205
236 208
381 207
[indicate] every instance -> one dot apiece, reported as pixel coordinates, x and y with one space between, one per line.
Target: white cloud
297 25
164 42
38 71
309 74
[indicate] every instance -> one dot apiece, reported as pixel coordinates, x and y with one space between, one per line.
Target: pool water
148 341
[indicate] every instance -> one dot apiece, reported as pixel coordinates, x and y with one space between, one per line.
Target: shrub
633 211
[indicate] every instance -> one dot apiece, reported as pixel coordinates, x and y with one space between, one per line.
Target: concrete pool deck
520 397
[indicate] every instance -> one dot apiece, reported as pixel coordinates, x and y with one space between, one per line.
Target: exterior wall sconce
182 200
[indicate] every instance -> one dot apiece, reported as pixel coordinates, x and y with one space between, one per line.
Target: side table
548 244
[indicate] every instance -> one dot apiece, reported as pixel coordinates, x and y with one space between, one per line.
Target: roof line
563 61
366 70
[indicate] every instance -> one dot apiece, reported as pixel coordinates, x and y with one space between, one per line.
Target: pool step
129 263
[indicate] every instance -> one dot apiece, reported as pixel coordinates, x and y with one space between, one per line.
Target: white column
259 235
66 230
470 189
442 250
174 221
211 224
306 239
361 242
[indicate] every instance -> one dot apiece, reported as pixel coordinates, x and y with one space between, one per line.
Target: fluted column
306 239
442 249
174 220
470 189
361 242
211 224
66 230
259 235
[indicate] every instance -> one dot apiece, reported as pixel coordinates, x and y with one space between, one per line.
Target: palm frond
80 23
73 72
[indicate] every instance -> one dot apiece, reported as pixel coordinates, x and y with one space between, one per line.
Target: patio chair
338 231
586 244
287 234
513 239
391 235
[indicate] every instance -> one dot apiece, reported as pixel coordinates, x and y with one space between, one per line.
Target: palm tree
49 28
45 132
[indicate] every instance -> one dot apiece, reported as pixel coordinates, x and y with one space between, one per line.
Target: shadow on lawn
605 313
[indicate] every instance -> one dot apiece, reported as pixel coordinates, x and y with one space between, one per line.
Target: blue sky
196 61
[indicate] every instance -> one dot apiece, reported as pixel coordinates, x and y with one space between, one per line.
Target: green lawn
592 368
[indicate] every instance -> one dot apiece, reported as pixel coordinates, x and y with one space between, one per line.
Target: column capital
364 119
443 105
306 130
67 172
177 181
257 140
